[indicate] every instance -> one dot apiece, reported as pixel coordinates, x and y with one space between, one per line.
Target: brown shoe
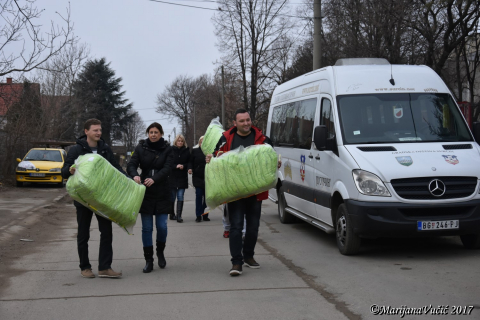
236 270
87 273
109 273
251 263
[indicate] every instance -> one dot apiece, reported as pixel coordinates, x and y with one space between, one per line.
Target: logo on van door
288 170
451 159
302 167
405 161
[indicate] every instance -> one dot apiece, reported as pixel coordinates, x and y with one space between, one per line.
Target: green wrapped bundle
211 137
100 187
240 173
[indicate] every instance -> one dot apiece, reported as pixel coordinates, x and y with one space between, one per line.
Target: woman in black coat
178 179
196 167
155 157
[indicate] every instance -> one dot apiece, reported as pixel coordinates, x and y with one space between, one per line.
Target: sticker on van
452 159
398 112
288 170
302 167
405 161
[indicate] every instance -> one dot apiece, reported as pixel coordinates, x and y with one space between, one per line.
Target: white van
371 149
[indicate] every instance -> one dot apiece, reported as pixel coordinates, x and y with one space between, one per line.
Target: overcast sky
148 43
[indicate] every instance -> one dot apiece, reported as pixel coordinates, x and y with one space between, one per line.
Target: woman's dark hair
155 125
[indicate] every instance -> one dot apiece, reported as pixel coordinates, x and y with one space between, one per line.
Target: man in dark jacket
243 134
91 142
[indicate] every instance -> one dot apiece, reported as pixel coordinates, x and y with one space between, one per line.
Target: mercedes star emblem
434 169
437 188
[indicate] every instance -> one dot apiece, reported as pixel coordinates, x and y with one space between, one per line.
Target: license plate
437 225
37 174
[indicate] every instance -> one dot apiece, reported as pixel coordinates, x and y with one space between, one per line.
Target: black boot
148 254
172 212
205 217
179 211
161 258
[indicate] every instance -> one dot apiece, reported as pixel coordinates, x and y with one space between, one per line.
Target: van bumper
374 219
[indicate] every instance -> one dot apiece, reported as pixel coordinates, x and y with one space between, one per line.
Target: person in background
92 142
178 179
155 157
196 168
243 133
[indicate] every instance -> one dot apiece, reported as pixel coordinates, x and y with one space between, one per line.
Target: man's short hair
91 122
239 111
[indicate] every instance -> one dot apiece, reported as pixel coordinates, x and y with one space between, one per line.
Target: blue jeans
200 203
250 210
147 228
177 194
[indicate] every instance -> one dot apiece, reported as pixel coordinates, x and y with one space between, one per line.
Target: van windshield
401 117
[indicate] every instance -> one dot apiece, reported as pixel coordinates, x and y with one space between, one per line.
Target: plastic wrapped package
240 173
103 189
211 137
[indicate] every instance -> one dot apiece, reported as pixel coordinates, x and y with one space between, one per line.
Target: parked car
371 149
41 165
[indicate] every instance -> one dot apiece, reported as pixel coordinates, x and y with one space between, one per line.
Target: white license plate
437 225
37 174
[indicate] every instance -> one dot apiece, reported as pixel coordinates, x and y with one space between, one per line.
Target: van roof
363 79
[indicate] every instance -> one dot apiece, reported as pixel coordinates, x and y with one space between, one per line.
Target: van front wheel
347 242
283 215
470 241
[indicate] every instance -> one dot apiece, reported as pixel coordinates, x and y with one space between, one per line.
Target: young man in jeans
243 134
91 142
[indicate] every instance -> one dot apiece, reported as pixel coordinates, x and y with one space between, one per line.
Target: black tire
471 241
19 184
283 215
348 243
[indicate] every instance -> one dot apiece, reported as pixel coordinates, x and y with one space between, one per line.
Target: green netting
100 187
211 137
240 173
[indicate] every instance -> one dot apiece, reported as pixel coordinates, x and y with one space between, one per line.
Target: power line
184 5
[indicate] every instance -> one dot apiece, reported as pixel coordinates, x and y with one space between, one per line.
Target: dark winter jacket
197 164
82 148
225 144
179 178
156 161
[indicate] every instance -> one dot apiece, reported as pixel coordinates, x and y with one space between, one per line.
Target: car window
44 155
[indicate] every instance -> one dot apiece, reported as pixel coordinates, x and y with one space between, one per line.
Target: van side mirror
476 131
320 137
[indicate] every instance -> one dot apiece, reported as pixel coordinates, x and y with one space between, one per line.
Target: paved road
302 275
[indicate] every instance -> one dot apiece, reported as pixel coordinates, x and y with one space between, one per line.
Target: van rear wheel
283 215
471 241
348 243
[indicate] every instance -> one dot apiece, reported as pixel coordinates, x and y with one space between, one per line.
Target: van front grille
418 188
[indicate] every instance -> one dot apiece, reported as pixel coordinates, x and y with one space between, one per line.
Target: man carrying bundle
243 134
92 142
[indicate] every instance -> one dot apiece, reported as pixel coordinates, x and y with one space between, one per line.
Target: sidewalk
194 285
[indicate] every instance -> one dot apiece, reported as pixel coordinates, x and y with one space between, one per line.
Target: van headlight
55 170
369 184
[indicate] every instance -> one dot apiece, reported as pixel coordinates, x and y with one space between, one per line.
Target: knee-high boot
161 258
179 211
148 254
172 212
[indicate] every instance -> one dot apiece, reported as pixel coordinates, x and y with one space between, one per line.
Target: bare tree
246 33
24 45
134 130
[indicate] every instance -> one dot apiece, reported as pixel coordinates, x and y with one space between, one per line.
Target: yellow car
41 165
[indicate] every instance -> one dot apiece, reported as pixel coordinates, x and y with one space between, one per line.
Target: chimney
9 80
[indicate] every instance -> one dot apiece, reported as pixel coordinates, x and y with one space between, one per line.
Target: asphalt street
302 274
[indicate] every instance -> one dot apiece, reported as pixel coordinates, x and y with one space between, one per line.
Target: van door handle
311 156
317 157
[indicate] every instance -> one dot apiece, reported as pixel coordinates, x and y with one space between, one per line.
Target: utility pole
317 34
194 126
174 132
223 101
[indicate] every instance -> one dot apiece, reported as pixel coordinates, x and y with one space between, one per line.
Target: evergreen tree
98 95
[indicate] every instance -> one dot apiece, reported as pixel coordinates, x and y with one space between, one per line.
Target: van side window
327 118
292 124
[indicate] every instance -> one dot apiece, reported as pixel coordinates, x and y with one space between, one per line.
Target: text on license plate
37 174
437 225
